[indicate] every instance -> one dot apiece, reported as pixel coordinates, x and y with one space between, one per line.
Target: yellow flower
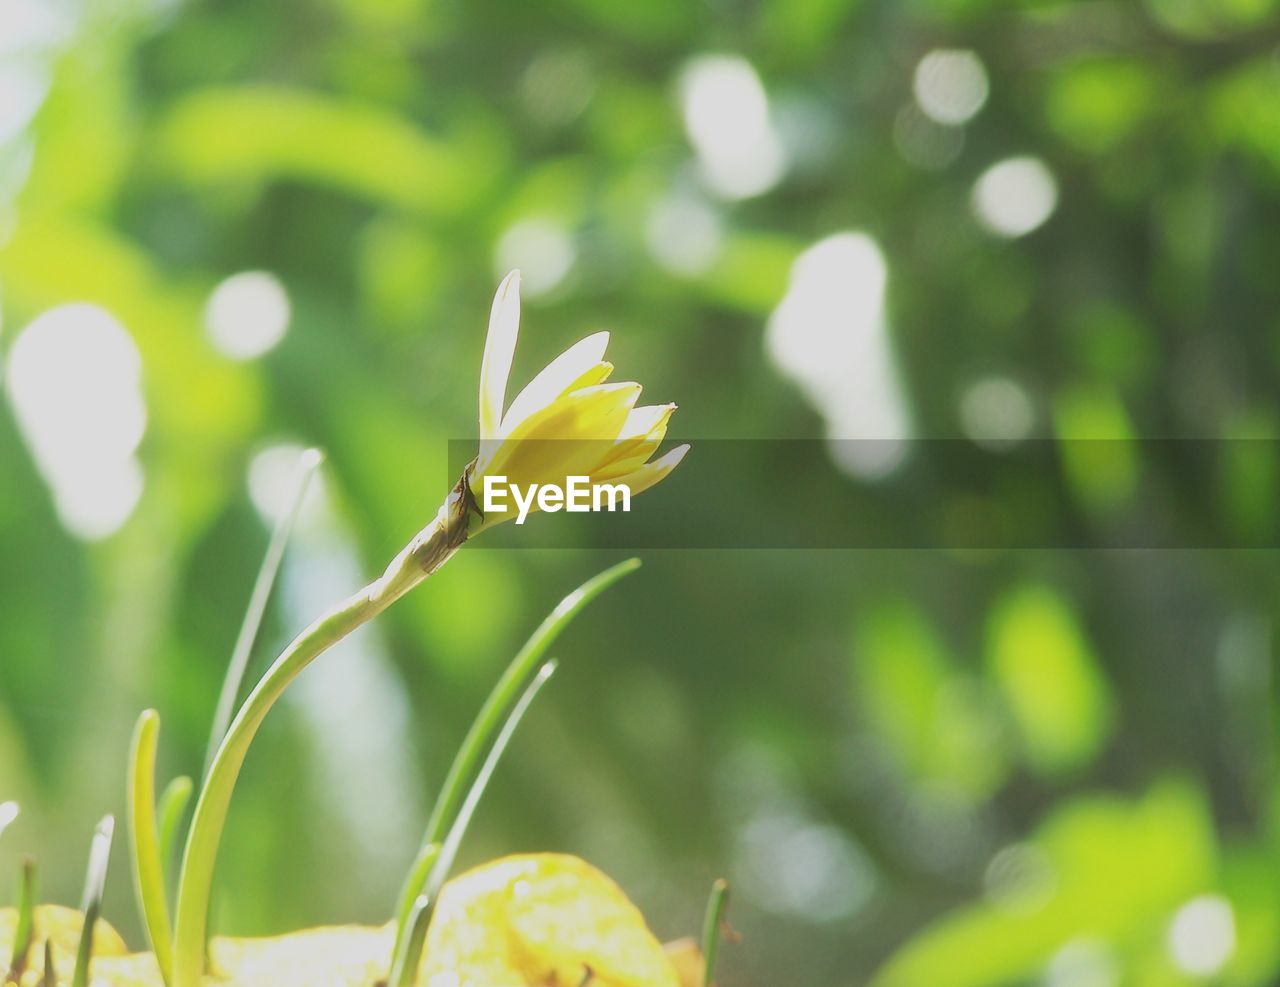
567 422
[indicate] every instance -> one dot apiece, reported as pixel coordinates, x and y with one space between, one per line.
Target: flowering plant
541 919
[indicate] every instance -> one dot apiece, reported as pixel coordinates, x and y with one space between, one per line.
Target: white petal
499 351
555 377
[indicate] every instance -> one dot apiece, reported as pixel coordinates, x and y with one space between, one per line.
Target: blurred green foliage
969 768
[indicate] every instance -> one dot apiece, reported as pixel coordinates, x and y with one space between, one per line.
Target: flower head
568 421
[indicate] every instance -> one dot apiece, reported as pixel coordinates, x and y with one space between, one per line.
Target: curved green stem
173 803
495 712
430 549
144 837
196 880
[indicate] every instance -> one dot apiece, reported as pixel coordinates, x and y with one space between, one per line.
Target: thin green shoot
438 871
488 722
173 803
144 839
50 976
91 904
309 462
26 920
711 928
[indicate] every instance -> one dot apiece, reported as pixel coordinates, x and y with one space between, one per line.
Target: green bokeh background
917 768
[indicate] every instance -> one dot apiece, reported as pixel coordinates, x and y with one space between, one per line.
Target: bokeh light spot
996 412
950 85
1015 196
923 142
543 251
74 380
273 483
247 314
829 335
1083 963
1202 935
1020 879
23 85
684 235
726 115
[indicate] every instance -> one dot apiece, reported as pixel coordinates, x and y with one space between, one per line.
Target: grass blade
26 920
144 838
410 950
711 926
91 904
173 803
489 721
449 850
233 682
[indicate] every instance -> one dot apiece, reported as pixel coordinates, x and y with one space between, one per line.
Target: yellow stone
540 920
544 919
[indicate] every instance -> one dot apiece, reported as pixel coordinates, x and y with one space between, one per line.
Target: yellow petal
567 438
349 956
499 351
686 957
540 919
650 473
641 435
556 378
61 926
592 376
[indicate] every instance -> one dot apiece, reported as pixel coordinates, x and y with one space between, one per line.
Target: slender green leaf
711 926
26 920
449 850
232 683
144 838
409 948
489 722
